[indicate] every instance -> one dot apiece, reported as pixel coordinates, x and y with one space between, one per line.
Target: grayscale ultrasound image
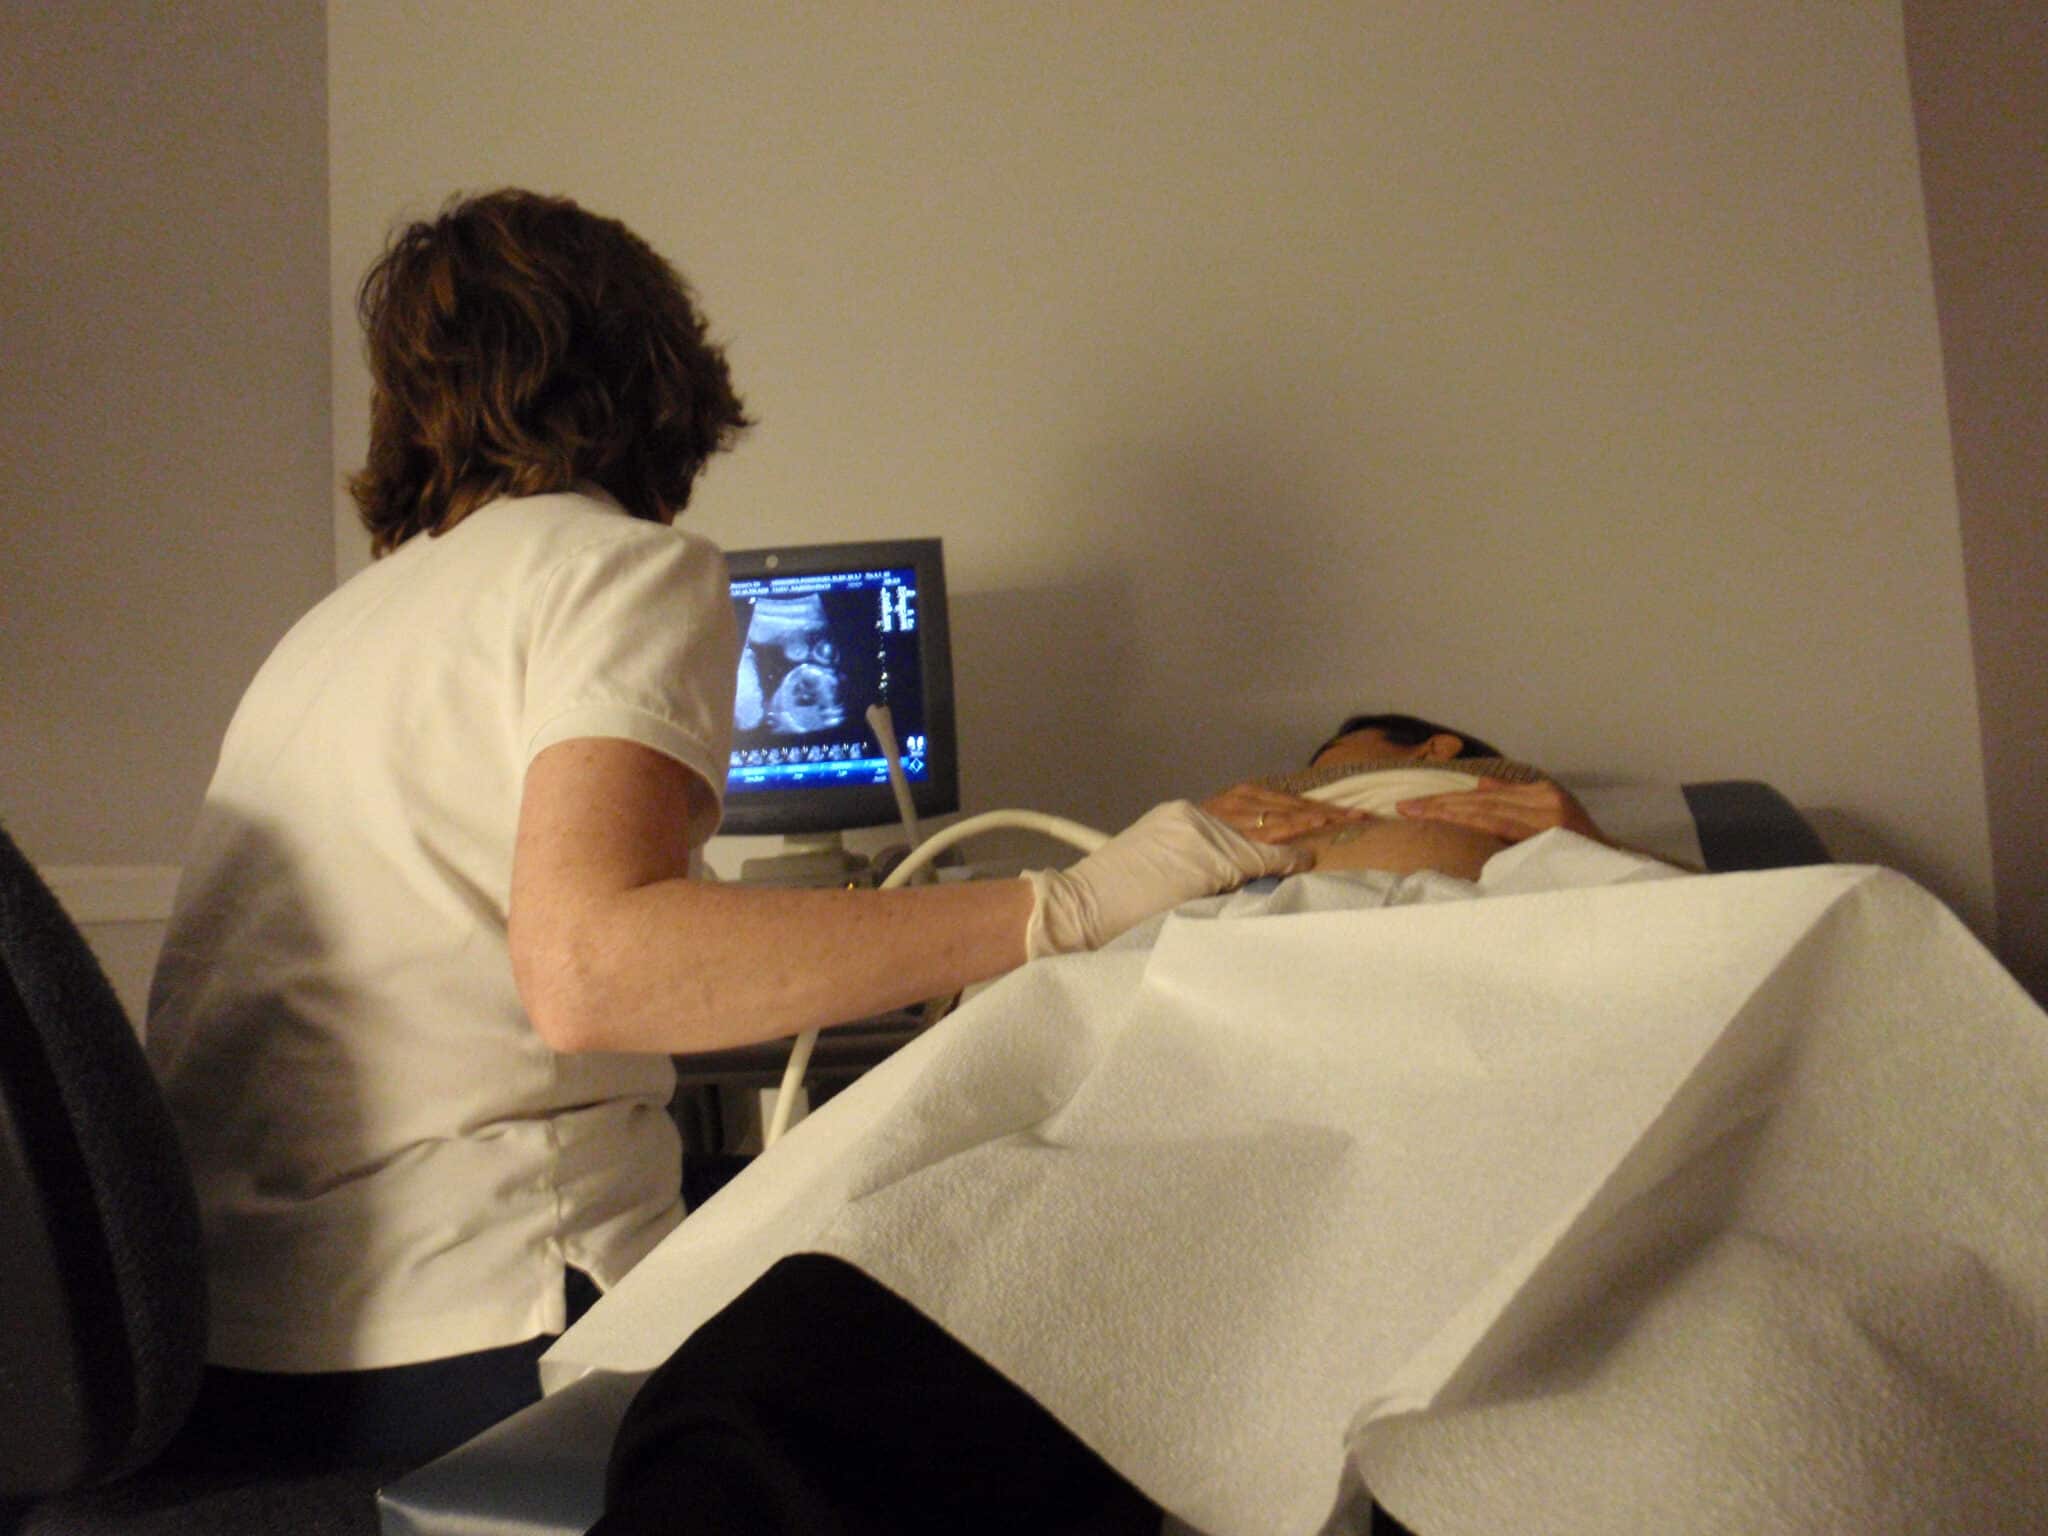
792 679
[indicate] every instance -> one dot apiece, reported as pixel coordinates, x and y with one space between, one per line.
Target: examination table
542 1470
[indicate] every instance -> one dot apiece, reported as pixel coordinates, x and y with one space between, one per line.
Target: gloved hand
1173 853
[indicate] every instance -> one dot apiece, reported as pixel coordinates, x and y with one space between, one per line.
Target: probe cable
1073 833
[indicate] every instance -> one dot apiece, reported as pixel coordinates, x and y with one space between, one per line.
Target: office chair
101 1269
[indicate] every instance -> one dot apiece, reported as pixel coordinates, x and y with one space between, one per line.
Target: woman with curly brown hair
518 345
439 931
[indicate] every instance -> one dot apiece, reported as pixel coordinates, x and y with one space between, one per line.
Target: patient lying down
1631 1204
820 1404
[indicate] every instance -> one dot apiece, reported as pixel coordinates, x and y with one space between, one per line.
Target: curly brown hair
519 344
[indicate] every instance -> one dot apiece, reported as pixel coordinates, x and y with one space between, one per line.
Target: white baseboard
114 893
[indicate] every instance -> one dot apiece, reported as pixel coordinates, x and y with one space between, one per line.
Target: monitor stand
812 859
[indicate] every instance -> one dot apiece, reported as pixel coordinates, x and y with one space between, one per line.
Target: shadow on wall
1851 840
1043 678
1190 654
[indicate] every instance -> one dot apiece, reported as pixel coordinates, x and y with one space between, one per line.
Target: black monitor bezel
844 807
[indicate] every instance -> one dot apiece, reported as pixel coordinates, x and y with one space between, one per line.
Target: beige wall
164 449
1980 90
164 431
1432 342
1568 371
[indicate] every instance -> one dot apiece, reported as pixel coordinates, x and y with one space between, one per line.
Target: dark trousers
396 1417
819 1404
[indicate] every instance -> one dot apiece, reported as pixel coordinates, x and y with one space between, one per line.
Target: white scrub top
392 1166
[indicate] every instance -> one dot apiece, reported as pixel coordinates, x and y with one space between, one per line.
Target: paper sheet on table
1273 1195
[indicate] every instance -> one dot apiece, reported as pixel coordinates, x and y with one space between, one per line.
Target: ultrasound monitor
826 630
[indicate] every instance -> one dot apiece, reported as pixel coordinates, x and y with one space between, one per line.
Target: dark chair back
101 1269
1747 824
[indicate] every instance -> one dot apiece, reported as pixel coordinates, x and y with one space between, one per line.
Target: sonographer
440 931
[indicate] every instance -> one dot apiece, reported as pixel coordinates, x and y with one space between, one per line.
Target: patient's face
1371 746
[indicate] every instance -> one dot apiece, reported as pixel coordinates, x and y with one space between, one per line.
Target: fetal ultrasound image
795 671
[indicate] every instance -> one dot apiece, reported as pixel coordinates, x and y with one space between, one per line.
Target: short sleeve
632 637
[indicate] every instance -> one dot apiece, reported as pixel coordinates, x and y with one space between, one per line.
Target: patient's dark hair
1406 731
519 344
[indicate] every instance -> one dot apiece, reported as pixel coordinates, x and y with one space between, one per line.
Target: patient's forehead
1368 744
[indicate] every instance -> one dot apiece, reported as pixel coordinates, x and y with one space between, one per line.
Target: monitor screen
826 630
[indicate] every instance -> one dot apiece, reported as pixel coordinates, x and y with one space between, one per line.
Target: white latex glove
1173 853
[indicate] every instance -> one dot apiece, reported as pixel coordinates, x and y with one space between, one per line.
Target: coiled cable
1073 833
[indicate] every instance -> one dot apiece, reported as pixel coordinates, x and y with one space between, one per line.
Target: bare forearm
681 966
614 948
